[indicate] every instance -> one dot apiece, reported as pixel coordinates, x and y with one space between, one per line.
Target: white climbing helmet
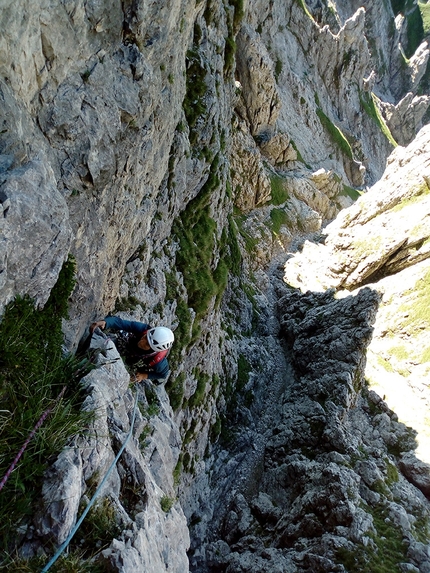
160 338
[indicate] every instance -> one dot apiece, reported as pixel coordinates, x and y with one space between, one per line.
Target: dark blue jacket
135 355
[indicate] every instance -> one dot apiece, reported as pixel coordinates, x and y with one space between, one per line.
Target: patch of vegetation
336 135
167 503
415 28
73 562
278 217
33 371
415 195
392 473
98 529
299 155
243 370
368 101
235 254
415 314
239 13
405 442
365 247
278 191
86 76
424 8
229 54
425 356
196 232
175 390
386 552
153 408
250 241
215 430
399 352
398 6
124 304
178 470
350 192
185 322
421 528
197 398
385 364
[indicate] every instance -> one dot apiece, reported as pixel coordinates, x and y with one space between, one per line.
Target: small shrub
85 76
167 503
350 192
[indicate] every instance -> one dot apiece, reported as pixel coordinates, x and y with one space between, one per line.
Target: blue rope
91 503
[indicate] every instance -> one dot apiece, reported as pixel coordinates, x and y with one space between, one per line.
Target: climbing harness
91 502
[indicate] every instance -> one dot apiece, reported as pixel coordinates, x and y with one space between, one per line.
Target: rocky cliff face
318 460
179 150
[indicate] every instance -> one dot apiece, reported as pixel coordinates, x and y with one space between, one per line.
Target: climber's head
160 338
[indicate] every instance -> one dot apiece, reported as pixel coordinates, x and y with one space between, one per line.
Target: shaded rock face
306 492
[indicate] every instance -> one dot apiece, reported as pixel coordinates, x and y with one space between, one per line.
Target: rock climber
145 348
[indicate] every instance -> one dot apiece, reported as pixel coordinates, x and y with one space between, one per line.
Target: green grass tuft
335 134
425 15
167 503
350 192
278 217
33 370
368 101
278 191
386 552
415 314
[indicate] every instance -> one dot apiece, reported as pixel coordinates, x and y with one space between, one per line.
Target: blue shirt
156 372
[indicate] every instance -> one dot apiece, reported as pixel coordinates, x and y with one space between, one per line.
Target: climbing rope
30 437
91 502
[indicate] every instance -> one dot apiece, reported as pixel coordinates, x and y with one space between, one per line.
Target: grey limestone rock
416 471
35 232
